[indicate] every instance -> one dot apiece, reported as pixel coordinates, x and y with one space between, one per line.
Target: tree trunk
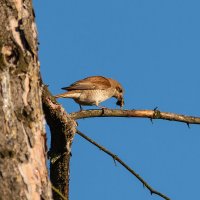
23 172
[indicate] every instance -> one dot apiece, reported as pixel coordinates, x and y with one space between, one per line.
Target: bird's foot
81 108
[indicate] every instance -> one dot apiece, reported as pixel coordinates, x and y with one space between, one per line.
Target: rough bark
23 172
62 129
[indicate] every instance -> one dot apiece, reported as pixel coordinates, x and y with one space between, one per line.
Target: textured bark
23 172
62 129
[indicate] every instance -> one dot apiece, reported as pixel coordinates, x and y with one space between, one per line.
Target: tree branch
151 114
63 128
116 158
58 192
64 119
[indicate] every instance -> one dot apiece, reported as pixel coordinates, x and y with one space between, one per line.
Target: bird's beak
120 102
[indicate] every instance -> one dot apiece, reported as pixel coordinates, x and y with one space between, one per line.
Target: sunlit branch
151 114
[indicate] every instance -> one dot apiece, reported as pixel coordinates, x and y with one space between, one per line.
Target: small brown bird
93 90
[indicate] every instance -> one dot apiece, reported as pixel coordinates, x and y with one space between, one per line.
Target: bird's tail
60 96
70 94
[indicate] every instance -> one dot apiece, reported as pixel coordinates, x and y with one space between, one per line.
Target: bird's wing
90 83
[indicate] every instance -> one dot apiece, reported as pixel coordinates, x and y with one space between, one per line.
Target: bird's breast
94 97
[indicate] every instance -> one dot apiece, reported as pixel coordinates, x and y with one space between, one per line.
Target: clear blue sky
153 49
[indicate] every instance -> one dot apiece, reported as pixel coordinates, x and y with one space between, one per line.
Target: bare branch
62 129
58 192
116 158
151 114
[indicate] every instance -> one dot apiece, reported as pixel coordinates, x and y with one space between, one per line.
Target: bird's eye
119 89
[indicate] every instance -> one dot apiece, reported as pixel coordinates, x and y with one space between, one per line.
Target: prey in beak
120 103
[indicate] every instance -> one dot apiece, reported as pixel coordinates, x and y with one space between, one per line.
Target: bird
93 90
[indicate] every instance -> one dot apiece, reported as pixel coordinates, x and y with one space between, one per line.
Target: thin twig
58 192
116 158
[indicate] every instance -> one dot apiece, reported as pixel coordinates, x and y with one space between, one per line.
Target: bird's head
118 93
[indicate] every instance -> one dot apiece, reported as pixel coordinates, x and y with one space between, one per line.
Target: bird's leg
103 108
80 107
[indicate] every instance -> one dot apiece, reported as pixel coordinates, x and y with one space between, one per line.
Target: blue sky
152 48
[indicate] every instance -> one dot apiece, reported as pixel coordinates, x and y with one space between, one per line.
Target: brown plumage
93 90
